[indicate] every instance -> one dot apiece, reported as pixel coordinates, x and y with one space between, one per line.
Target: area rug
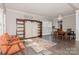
39 44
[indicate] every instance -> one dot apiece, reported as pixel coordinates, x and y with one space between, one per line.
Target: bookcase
26 28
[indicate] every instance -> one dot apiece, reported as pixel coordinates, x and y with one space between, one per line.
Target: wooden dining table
60 34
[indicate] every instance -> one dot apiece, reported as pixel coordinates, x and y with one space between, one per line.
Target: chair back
69 30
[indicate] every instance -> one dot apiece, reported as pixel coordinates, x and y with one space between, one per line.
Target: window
2 21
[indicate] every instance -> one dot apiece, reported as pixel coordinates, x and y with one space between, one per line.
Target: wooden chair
10 45
70 34
59 34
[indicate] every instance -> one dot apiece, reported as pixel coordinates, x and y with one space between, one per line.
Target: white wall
12 15
77 25
68 22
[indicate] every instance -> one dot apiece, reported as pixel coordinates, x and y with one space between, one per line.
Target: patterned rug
40 45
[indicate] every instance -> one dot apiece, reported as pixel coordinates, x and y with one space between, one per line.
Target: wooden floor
62 47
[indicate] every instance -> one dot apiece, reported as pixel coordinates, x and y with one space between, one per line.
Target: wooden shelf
20 34
20 31
21 25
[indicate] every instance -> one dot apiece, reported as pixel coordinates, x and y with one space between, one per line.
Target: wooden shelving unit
20 27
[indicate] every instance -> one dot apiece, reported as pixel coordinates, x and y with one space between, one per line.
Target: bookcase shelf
20 27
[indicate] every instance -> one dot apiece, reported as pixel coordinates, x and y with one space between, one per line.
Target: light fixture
60 21
60 17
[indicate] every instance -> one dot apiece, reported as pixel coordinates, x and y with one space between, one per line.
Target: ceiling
45 9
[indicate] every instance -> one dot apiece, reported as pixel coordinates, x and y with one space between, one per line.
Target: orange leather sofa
10 45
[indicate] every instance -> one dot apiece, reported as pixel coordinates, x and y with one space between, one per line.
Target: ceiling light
60 17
